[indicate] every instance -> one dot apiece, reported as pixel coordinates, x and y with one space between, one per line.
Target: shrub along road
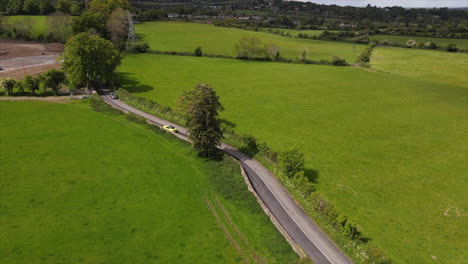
303 230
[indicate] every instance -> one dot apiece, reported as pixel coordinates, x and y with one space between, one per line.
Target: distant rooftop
403 3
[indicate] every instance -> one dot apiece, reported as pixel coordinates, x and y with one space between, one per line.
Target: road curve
300 227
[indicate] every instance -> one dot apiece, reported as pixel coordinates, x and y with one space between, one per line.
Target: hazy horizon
403 3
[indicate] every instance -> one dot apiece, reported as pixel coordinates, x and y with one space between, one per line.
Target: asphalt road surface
300 227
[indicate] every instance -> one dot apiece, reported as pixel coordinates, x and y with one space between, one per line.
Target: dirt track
27 58
12 49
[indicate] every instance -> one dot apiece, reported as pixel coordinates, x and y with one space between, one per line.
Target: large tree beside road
201 106
90 58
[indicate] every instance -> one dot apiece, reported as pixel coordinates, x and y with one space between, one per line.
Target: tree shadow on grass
227 123
128 81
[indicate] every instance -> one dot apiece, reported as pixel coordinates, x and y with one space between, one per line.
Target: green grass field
77 186
440 66
442 42
185 37
39 23
389 150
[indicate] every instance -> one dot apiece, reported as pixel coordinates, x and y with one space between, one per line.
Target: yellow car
171 128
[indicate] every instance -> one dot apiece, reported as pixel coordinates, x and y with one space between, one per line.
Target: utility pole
131 31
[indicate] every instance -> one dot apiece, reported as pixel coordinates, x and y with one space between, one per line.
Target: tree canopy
201 108
90 58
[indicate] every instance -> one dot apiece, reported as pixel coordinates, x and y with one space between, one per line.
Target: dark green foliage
63 6
76 8
20 86
30 7
337 61
430 45
198 51
366 54
8 85
151 14
200 106
90 58
14 7
141 47
53 79
302 183
452 48
88 21
291 162
31 83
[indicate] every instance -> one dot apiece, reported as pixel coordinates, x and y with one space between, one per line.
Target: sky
403 3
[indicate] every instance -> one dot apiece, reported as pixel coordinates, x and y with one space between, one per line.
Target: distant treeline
41 7
435 22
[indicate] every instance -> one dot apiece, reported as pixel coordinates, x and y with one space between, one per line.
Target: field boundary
280 60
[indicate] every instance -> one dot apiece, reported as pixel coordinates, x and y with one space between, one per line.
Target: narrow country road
303 230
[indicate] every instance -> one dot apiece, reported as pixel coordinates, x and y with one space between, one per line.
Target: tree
8 85
201 106
338 61
31 83
452 48
14 7
430 45
198 51
272 50
53 79
117 25
20 86
108 6
45 7
76 8
88 21
90 58
59 26
30 7
63 6
291 162
250 47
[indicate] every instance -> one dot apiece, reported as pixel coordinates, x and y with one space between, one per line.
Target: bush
141 47
376 255
8 85
251 47
337 61
291 162
430 45
302 183
366 54
198 51
452 48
